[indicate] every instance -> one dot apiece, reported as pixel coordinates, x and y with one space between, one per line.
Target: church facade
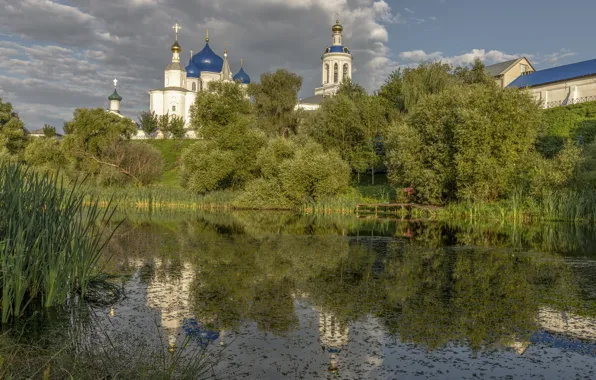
183 84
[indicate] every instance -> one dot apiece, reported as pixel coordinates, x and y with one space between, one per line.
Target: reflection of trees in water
252 267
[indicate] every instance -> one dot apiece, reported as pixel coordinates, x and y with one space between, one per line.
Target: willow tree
226 156
275 98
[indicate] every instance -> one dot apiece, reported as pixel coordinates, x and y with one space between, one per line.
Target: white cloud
488 57
66 55
555 58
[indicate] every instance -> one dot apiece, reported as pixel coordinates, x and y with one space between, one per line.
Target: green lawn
171 151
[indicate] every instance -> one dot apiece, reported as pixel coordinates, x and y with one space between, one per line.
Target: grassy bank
50 242
171 151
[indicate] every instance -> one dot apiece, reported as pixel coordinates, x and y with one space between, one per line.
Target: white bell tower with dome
337 64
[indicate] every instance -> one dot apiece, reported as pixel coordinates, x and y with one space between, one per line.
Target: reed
50 241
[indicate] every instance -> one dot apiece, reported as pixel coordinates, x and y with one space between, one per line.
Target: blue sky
60 55
545 29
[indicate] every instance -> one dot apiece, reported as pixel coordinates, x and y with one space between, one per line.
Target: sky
56 56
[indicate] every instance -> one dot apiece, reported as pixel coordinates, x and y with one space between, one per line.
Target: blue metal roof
207 60
337 49
192 71
242 77
556 74
564 343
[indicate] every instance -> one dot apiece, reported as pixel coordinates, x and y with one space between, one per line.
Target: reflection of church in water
333 336
171 296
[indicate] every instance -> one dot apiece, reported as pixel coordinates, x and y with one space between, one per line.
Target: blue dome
337 49
207 60
192 71
242 77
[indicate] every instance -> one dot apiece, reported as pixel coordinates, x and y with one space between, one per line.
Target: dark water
286 297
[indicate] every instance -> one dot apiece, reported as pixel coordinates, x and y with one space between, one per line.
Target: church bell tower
337 64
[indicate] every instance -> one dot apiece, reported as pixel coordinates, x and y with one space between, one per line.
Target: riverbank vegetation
50 242
442 136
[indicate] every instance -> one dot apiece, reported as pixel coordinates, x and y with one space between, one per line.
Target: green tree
149 122
352 124
13 136
475 74
163 123
351 89
49 130
226 156
176 127
45 153
216 111
467 142
313 174
275 98
93 137
404 88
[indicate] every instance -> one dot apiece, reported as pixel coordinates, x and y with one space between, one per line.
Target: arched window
326 73
194 86
345 71
173 108
335 73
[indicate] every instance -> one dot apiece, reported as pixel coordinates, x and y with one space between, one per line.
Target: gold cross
176 28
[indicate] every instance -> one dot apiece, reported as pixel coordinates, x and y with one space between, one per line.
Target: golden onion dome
337 28
176 47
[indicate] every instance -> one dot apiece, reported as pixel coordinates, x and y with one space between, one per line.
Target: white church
182 84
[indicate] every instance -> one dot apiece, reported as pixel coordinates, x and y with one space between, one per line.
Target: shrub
313 173
207 168
45 153
262 193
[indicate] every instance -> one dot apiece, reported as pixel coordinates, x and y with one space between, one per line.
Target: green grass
50 243
171 150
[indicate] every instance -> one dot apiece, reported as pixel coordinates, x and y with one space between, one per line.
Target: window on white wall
345 71
326 73
194 86
335 73
173 108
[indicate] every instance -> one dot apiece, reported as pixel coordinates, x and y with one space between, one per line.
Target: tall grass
552 205
50 242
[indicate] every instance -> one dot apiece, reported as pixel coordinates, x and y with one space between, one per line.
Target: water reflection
311 297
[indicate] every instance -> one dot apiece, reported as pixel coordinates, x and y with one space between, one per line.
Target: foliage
351 123
49 130
226 156
220 109
13 136
207 168
140 161
575 122
45 153
351 89
172 126
171 152
177 124
466 142
95 145
313 173
50 247
149 122
275 98
404 88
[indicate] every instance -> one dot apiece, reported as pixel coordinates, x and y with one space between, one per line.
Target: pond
279 296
